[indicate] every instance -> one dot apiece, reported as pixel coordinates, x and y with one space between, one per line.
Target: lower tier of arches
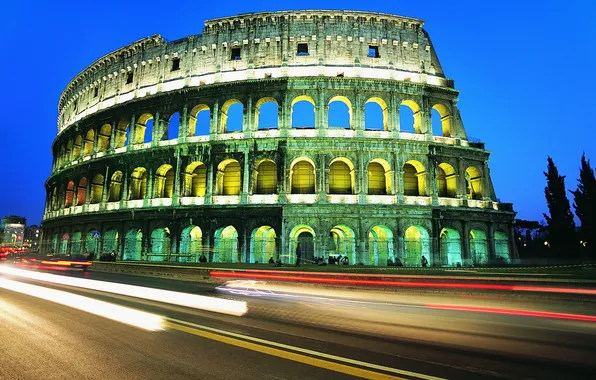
410 237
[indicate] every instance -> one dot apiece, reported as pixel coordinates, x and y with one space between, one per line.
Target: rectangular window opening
129 78
95 92
302 49
373 51
175 64
340 74
235 54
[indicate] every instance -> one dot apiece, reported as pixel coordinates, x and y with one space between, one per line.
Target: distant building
32 237
12 231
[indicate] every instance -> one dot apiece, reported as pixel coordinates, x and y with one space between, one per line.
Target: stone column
211 172
245 179
113 136
124 196
431 181
183 126
248 118
394 121
95 138
177 179
106 188
490 242
149 194
214 122
465 242
132 133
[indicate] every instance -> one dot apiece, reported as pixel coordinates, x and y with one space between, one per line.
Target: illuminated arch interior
103 139
417 244
302 177
266 181
379 177
122 134
450 247
342 241
226 245
478 247
110 241
191 242
69 197
263 244
341 176
446 181
380 245
82 191
115 187
414 178
138 184
502 247
88 146
229 178
160 244
195 179
97 188
473 183
164 181
304 235
133 244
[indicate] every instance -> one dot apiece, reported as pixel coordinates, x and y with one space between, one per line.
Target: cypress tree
560 224
585 205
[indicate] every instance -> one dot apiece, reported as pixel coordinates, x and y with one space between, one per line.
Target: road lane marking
283 351
141 319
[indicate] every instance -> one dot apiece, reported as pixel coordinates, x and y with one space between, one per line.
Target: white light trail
218 305
141 319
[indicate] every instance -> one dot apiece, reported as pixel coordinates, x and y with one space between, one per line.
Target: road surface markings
284 351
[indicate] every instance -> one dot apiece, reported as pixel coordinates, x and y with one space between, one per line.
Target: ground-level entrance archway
304 235
262 244
380 245
226 245
478 247
450 247
416 244
133 244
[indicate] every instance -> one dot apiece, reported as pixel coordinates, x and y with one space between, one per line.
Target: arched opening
97 188
376 114
342 242
446 181
340 112
82 191
228 178
303 112
88 146
380 246
55 244
68 199
160 244
143 132
173 128
191 242
92 242
199 122
341 177
473 183
195 179
478 247
501 248
103 139
75 248
61 196
266 181
417 244
138 184
266 113
304 235
133 244
410 119
115 187
232 116
226 245
76 148
122 134
441 120
379 177
450 247
67 154
302 177
262 245
64 244
414 179
110 242
164 181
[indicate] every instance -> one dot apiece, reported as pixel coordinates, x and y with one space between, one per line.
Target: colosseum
337 130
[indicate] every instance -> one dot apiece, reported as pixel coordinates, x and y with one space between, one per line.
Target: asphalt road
290 333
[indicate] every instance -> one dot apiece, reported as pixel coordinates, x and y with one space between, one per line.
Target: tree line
559 238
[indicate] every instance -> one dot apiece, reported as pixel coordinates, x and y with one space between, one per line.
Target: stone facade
267 130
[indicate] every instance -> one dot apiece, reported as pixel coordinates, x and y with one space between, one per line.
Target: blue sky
524 69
